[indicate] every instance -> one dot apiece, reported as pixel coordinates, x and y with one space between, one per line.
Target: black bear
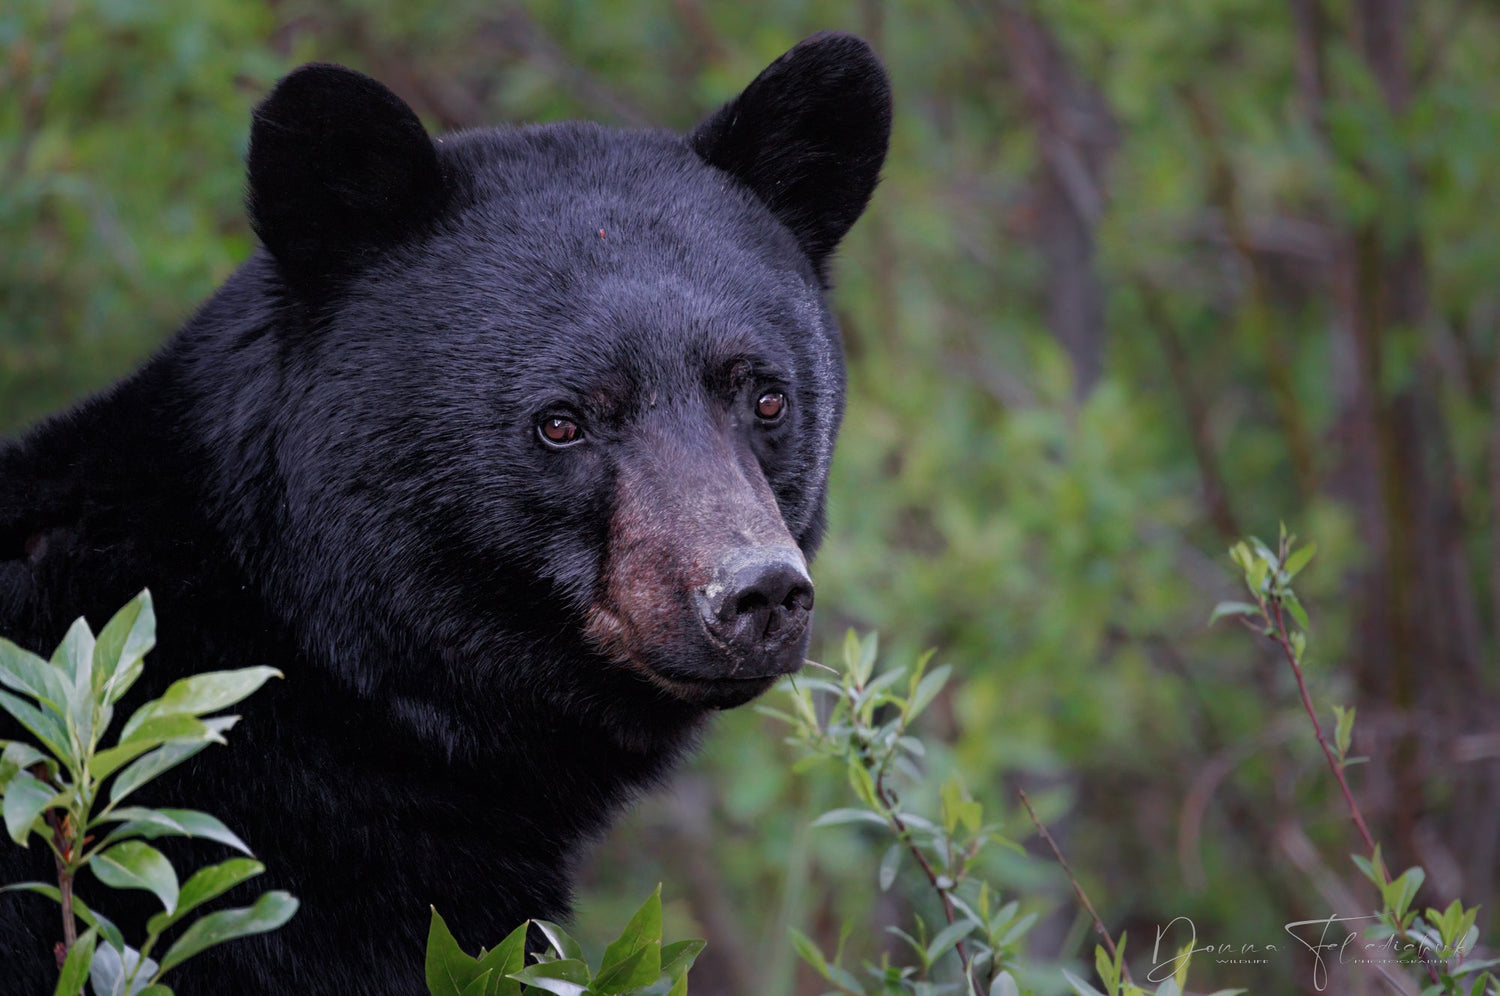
509 448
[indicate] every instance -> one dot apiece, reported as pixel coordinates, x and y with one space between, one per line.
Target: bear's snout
758 605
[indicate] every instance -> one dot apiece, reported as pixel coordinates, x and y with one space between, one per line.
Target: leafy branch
54 791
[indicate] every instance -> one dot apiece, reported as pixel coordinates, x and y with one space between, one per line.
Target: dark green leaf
641 935
449 970
502 960
678 957
270 911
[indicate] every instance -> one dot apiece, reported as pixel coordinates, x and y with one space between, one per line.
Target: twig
888 798
1099 928
1284 641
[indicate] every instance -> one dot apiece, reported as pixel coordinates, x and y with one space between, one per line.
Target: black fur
333 468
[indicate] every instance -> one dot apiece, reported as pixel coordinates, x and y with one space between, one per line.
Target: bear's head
542 411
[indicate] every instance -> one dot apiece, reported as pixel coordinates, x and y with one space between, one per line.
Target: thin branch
1099 928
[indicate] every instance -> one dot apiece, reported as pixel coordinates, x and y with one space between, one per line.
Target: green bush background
1141 275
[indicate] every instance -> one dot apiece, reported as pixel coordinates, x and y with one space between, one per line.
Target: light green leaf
119 653
25 799
47 728
152 733
1299 559
564 945
569 977
153 823
1004 985
268 912
928 688
1233 609
31 675
834 817
205 884
158 761
74 657
948 937
16 756
134 865
202 693
1344 730
76 968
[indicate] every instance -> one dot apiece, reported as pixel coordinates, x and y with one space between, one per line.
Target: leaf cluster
636 963
67 790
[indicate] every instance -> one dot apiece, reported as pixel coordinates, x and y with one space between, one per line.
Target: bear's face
566 382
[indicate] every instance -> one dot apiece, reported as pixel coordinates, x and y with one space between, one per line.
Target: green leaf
478 986
1344 729
678 957
75 658
449 970
1295 608
564 945
80 909
1298 560
569 977
1233 609
17 756
505 958
75 969
835 817
154 823
928 688
134 865
810 952
25 799
626 974
1004 985
642 935
948 937
152 733
31 675
119 653
204 884
47 728
202 693
113 966
155 763
268 912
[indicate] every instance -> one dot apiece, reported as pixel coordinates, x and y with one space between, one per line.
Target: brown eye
559 431
771 406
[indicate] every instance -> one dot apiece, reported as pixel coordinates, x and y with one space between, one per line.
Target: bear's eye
770 406
557 431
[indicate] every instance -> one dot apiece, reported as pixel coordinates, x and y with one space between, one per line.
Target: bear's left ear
340 168
808 136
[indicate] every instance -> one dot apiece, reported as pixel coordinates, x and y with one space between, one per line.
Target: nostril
765 596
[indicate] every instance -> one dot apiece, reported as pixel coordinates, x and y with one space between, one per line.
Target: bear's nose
759 602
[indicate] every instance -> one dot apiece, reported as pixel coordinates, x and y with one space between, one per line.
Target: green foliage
57 795
636 963
862 725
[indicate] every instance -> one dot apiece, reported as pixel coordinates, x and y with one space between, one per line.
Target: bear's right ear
340 168
808 136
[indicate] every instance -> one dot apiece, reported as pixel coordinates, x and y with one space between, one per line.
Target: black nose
759 601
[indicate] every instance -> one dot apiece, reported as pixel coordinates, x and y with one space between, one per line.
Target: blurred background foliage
1142 275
